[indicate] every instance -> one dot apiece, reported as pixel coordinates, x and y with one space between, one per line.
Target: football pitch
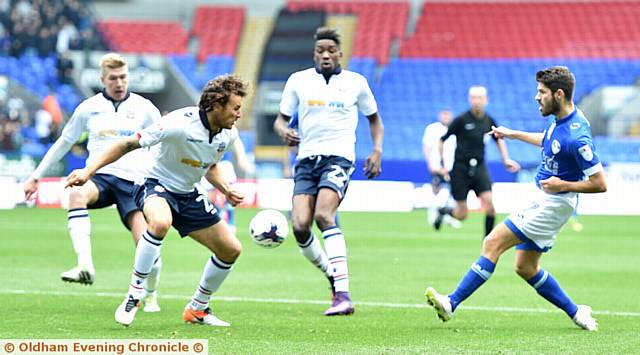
275 298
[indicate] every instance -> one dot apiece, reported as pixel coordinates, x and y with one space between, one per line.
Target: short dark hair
327 33
557 77
219 90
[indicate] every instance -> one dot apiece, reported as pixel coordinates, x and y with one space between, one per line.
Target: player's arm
534 138
111 154
509 163
372 165
70 134
594 184
281 127
215 177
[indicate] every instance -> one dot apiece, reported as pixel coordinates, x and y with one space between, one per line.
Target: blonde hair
112 61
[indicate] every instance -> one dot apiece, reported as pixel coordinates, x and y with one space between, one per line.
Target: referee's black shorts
465 178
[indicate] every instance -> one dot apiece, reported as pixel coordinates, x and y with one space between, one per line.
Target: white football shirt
327 111
185 149
431 138
106 123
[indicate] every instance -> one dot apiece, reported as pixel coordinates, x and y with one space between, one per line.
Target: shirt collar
108 97
567 118
336 71
205 122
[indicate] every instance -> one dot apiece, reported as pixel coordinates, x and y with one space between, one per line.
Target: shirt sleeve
585 155
76 125
290 100
453 129
165 128
366 102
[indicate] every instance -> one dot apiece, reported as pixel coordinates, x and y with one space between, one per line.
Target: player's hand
511 165
502 132
77 177
552 185
291 137
372 164
234 197
30 188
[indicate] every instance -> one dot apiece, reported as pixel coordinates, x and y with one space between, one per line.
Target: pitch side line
294 301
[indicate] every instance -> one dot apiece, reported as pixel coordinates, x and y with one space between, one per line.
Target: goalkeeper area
274 299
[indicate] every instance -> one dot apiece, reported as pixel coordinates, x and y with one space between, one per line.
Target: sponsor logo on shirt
194 163
193 140
586 152
469 126
115 133
312 103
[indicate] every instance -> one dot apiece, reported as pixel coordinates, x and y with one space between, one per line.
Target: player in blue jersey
569 166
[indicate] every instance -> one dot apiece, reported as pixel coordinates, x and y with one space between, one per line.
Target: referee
469 169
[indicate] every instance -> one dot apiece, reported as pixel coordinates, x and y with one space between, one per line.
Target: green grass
392 258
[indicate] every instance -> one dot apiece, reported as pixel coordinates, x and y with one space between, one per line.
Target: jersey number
337 176
208 206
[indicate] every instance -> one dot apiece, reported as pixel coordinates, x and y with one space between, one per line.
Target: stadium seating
199 75
607 29
412 91
38 75
379 22
218 28
145 36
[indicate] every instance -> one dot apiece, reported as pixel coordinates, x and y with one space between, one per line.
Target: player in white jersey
569 166
327 99
440 170
107 117
190 142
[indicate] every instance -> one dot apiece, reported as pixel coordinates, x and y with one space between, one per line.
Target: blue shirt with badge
567 150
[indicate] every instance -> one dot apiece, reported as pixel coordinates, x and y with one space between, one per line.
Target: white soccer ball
269 228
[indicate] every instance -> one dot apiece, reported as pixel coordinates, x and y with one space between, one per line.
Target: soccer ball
269 228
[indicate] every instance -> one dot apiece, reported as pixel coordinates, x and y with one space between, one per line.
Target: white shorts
538 224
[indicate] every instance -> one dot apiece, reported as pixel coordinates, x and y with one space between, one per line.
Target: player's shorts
113 189
190 212
318 171
538 224
465 178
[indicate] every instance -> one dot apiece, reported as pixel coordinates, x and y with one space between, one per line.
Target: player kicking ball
569 166
190 142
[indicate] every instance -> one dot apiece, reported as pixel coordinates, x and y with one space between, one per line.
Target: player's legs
138 225
486 198
494 245
79 225
336 248
226 248
158 214
527 267
309 245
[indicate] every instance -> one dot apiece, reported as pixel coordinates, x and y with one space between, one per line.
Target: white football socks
312 250
79 225
147 252
215 272
336 248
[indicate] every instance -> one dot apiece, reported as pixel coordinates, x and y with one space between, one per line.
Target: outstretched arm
113 153
534 138
372 165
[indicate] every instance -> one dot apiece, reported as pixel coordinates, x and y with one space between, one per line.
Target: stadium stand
602 29
144 36
218 28
379 23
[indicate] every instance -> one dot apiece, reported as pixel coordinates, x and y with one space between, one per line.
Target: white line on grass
294 301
